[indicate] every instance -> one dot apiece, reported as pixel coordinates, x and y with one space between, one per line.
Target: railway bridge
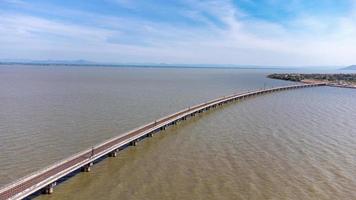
46 179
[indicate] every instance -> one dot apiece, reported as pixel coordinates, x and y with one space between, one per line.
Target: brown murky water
298 144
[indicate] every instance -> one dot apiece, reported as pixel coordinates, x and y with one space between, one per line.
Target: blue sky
253 32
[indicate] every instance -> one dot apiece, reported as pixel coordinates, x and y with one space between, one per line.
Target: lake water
298 144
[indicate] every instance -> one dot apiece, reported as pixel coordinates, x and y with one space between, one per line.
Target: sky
240 32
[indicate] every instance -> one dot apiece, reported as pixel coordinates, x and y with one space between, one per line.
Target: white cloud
307 40
17 2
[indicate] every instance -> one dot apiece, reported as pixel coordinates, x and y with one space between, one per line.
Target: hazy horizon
151 64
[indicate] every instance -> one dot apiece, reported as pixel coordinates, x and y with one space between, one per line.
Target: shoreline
332 80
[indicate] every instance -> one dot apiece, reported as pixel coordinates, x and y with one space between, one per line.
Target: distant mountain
133 64
352 67
79 62
46 62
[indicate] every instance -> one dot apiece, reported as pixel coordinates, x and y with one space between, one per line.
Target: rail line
44 180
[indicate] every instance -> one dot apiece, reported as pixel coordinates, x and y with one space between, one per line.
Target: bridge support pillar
134 143
149 134
113 153
49 188
163 128
87 167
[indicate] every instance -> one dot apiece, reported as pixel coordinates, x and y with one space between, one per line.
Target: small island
336 80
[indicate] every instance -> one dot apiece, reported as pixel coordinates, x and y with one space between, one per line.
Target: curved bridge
44 180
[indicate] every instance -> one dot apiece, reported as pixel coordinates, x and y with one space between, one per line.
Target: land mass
351 67
86 63
336 80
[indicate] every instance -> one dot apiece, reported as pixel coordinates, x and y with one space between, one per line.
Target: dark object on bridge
44 180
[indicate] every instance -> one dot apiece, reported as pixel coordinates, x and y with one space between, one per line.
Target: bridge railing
43 170
179 114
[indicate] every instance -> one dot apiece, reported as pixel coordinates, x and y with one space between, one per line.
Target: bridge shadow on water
78 171
198 115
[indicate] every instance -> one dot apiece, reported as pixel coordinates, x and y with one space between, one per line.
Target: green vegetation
318 77
339 80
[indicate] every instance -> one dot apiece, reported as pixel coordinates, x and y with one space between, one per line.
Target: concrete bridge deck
44 180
